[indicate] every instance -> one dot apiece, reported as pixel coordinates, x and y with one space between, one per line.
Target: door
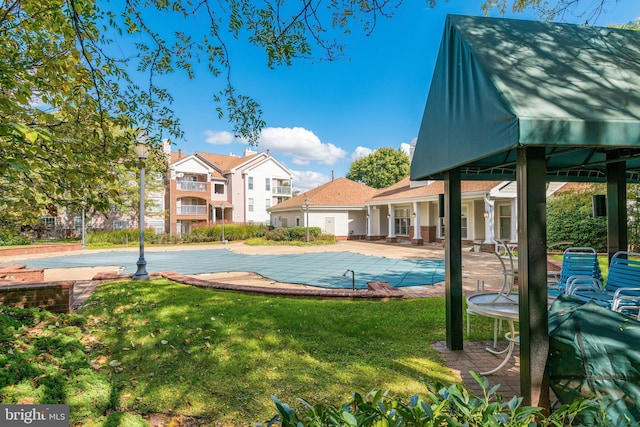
330 225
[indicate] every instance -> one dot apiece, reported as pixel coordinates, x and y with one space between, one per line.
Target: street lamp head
142 146
306 201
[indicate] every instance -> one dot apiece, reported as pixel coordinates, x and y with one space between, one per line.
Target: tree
70 108
380 169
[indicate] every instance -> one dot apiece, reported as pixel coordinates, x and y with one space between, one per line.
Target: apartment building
204 188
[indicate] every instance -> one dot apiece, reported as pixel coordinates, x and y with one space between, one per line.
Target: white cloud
406 148
360 152
302 145
219 137
307 180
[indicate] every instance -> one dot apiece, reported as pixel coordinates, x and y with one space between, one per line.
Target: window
297 221
218 188
77 224
156 204
120 224
157 225
48 221
267 203
250 204
504 222
250 183
267 184
464 228
402 221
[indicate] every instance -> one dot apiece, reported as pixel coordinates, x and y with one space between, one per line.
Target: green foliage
382 168
448 406
570 218
13 240
289 234
232 232
633 215
68 112
200 234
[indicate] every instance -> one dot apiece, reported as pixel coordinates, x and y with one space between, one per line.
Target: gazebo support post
532 275
453 258
616 207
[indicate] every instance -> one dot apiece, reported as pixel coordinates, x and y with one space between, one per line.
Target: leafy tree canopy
380 169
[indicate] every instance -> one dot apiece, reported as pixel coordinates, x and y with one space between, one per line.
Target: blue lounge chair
622 289
579 264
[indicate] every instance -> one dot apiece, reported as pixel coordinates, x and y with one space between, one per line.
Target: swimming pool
321 269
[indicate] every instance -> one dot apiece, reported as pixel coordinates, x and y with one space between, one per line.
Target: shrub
569 218
120 237
13 240
449 406
293 234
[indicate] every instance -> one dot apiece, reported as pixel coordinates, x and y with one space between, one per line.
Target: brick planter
52 296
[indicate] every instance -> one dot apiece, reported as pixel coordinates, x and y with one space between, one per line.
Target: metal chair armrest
582 283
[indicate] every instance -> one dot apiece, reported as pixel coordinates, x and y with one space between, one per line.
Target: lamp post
222 209
306 205
84 246
142 151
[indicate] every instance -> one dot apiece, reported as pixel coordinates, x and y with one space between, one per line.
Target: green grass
163 347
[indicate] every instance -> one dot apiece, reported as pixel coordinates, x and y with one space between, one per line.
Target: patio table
499 306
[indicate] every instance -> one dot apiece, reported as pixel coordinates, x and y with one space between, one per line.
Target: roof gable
339 192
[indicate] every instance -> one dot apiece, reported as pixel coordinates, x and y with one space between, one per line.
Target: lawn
168 348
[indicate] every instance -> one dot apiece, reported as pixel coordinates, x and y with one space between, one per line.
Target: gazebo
532 102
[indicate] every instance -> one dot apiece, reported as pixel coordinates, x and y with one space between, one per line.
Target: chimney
332 175
179 153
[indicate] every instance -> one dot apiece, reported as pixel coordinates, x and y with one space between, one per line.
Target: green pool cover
594 351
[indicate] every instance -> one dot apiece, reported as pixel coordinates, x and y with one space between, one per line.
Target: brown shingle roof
226 162
402 189
220 161
339 192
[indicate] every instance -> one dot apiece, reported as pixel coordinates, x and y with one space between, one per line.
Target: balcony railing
192 210
282 191
192 186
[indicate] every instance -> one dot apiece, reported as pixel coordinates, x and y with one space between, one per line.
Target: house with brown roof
411 211
406 211
337 207
205 188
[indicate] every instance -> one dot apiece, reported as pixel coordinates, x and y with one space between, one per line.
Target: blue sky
322 115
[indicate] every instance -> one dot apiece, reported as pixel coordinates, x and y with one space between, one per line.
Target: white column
514 220
392 222
369 221
489 220
416 222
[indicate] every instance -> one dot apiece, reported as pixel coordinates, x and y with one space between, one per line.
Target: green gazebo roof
503 83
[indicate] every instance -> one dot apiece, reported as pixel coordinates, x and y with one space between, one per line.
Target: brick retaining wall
40 249
23 275
52 296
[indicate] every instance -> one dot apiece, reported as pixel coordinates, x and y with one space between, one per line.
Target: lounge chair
578 264
622 289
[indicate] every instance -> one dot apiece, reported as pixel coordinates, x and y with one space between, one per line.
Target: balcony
192 209
282 191
191 186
